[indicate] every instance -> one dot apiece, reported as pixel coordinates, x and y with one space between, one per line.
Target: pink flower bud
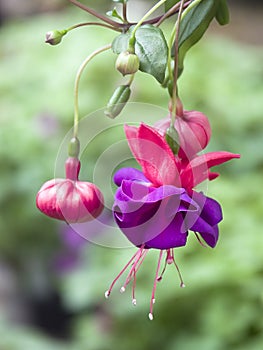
69 199
193 129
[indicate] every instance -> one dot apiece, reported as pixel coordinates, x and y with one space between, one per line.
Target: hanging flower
156 207
69 199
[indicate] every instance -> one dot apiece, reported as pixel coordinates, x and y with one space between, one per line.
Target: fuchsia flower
156 207
69 199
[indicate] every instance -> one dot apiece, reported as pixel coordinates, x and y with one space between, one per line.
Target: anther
134 302
107 294
122 290
150 316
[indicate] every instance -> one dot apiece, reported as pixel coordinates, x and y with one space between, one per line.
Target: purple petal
153 216
128 174
206 222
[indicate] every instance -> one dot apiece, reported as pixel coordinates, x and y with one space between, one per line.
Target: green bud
127 63
222 13
117 101
54 37
73 147
171 137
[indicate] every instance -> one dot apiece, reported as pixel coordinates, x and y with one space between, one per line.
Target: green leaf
150 47
120 43
113 13
195 21
169 4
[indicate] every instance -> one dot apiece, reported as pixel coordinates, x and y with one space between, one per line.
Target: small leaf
169 4
195 21
150 47
113 13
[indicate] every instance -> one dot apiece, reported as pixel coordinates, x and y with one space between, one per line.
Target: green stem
170 45
76 87
176 46
154 8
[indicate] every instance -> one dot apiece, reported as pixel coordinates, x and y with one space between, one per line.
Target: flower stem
76 87
124 11
93 24
176 48
154 8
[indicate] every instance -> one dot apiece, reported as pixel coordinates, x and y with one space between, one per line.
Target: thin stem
169 61
176 47
154 8
124 11
93 24
95 14
76 87
171 12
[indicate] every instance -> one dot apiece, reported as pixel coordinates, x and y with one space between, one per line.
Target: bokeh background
52 281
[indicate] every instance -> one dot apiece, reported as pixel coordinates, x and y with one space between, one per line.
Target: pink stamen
133 269
182 285
154 286
107 293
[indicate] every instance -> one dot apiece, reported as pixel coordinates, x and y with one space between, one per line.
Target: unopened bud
73 148
54 37
127 63
117 101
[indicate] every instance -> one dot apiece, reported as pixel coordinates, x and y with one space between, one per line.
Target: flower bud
117 101
193 129
127 63
69 199
54 37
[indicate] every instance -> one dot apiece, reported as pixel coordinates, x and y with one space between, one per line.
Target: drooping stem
76 87
152 10
176 49
93 24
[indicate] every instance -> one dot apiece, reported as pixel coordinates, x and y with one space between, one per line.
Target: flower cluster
158 206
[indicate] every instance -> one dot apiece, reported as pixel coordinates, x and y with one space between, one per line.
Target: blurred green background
52 283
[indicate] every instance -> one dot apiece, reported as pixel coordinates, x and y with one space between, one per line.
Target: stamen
182 285
122 290
168 260
199 240
154 286
135 266
107 293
